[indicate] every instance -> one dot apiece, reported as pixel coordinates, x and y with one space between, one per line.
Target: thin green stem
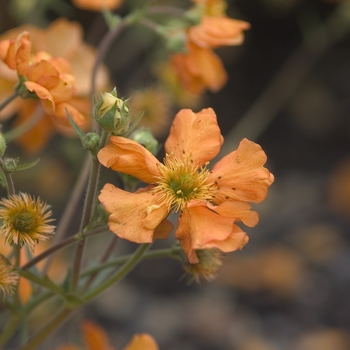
124 270
47 329
65 243
9 181
8 99
9 330
159 253
70 206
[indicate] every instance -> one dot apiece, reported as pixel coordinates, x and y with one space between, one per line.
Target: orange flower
97 5
209 202
95 338
62 39
218 31
200 68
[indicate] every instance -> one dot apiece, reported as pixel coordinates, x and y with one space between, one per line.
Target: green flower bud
145 137
91 141
10 165
2 144
176 42
112 113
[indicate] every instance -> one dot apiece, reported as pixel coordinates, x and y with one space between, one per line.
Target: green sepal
112 20
27 165
75 126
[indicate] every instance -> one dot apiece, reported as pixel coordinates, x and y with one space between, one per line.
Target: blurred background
288 90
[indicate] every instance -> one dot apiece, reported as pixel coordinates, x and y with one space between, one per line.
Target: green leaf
27 165
75 126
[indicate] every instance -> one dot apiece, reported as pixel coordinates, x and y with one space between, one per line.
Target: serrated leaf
27 165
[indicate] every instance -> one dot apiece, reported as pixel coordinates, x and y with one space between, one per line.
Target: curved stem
165 10
126 268
8 99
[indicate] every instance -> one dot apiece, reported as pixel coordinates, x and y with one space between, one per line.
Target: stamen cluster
182 181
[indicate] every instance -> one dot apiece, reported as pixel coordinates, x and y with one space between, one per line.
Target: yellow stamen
181 181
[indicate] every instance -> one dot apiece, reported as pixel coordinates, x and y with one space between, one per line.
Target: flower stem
62 244
69 208
159 253
126 268
10 328
8 99
47 329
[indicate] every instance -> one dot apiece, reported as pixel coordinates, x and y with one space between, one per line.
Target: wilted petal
129 157
196 135
241 176
132 216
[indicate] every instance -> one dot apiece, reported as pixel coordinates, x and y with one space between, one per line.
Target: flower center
181 181
24 221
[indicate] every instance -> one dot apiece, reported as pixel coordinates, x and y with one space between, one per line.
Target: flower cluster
55 64
200 68
210 202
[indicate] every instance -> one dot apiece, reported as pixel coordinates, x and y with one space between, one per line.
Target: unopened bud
145 137
112 113
91 141
10 165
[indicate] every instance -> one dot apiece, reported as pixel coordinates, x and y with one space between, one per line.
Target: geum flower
200 67
210 202
50 78
63 39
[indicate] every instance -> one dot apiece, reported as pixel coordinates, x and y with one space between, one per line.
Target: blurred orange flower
95 338
60 82
97 5
200 68
210 202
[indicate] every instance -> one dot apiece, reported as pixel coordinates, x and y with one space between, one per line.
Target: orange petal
163 229
241 176
60 115
39 135
214 31
41 69
21 43
23 55
142 342
198 226
206 64
236 240
95 337
129 157
196 135
240 211
97 5
42 93
133 216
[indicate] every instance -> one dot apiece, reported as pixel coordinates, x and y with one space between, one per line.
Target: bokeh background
289 90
